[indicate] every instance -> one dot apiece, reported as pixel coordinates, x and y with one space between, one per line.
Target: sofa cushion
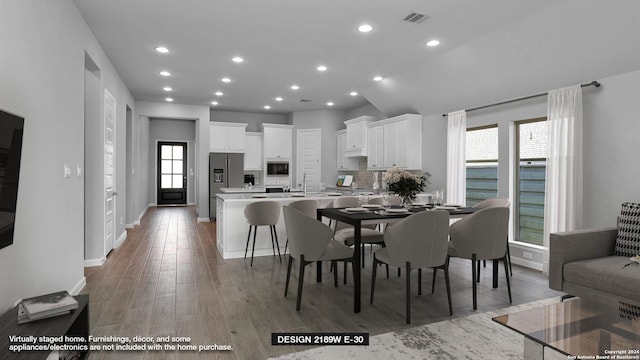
628 240
607 274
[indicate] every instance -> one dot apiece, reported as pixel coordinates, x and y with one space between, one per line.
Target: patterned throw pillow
628 240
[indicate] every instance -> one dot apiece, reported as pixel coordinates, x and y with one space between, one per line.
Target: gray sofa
583 263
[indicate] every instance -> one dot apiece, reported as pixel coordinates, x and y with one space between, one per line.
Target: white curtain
563 183
456 158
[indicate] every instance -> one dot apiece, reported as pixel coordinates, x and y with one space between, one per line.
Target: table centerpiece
405 184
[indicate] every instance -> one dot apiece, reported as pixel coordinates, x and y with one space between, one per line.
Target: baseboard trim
129 226
79 285
526 263
94 262
191 203
120 239
203 220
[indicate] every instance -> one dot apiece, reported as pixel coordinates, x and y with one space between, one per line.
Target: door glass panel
166 152
177 152
177 181
165 182
177 166
166 166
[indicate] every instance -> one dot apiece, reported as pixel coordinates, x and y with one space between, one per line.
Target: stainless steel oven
277 168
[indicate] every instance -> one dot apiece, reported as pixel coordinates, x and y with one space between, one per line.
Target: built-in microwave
277 168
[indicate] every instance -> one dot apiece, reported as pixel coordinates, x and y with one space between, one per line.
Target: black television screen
11 127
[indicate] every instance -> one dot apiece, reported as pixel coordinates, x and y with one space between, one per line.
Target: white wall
42 79
172 130
254 120
142 180
328 121
187 112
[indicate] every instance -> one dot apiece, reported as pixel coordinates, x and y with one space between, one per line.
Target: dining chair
416 242
311 241
481 236
307 207
262 213
345 232
495 202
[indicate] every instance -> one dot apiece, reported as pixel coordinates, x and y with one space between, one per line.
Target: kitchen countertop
239 197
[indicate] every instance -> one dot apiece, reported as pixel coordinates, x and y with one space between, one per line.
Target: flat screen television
11 128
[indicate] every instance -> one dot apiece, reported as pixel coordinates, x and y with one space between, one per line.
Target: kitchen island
232 227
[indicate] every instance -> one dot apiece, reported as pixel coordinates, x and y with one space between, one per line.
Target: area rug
472 337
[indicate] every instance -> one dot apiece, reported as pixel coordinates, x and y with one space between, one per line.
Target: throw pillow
628 240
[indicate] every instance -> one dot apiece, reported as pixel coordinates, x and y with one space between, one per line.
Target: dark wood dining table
372 216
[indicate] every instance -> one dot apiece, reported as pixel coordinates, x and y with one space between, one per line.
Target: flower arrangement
405 184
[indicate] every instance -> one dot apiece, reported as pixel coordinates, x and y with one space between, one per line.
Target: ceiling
282 43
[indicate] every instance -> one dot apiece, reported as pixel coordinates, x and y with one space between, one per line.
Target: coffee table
579 328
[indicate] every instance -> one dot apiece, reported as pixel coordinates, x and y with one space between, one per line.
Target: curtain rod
593 83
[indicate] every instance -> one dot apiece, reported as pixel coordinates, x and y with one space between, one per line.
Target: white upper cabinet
344 163
253 151
278 141
356 144
226 137
395 141
375 147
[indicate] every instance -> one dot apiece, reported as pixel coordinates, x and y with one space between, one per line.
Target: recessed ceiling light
214 103
295 87
219 93
267 107
165 73
237 59
330 103
378 78
321 68
162 49
433 43
226 80
167 88
278 98
365 28
169 99
353 93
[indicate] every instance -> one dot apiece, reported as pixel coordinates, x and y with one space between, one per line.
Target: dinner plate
259 196
297 195
334 194
372 206
446 207
419 204
398 211
356 209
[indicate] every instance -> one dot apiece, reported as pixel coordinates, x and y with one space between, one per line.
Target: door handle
114 193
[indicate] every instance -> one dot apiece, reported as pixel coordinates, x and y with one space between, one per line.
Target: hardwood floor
169 279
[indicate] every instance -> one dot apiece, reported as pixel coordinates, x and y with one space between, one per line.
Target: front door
172 173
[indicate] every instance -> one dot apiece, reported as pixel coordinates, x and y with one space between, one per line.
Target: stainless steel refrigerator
225 171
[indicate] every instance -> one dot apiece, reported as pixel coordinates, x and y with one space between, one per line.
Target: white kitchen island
232 227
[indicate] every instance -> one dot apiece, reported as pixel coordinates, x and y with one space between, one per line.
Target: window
482 164
532 146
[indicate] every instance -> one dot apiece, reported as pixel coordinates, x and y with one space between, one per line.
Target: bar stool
262 213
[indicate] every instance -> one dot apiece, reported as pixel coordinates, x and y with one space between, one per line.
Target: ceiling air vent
415 18
305 100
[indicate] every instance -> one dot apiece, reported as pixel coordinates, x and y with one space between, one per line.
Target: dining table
373 215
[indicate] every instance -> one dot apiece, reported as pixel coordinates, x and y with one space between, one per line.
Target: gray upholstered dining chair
262 213
481 236
307 207
345 232
311 241
416 242
495 202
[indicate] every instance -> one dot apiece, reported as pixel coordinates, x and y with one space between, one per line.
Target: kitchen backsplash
364 177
